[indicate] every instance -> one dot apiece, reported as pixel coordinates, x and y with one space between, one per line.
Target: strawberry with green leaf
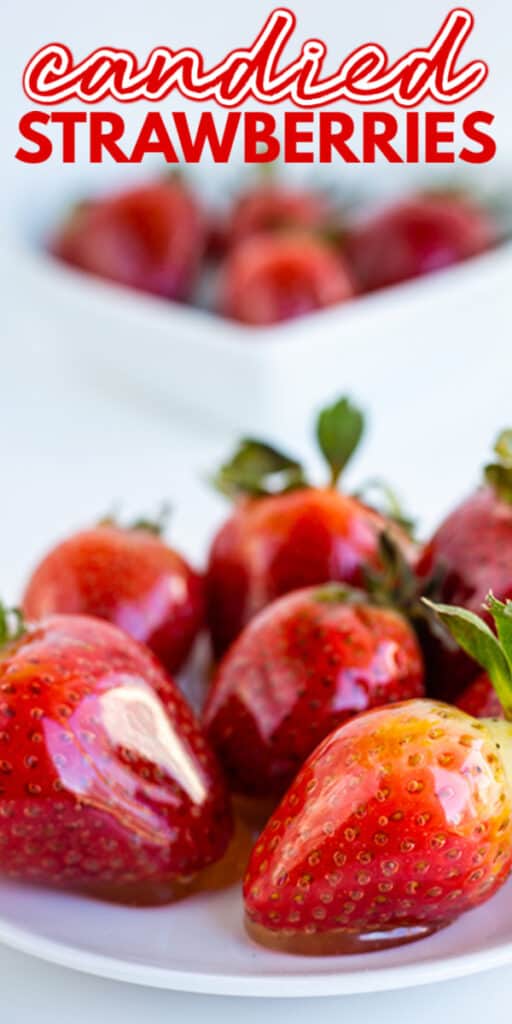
286 533
470 552
398 823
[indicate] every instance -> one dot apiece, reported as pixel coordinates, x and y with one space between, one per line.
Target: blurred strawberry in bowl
416 236
267 279
272 207
151 237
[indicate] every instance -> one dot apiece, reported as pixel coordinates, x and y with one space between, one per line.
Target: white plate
199 945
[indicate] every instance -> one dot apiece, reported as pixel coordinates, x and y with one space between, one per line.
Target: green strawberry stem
257 468
12 625
394 583
492 652
499 474
156 526
339 430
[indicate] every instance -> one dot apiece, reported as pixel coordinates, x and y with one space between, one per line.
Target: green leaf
12 625
257 469
499 474
339 430
503 446
502 615
477 639
156 525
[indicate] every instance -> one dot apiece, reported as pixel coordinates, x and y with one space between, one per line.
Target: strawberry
129 577
400 821
416 236
270 278
270 207
310 661
470 552
150 237
284 534
479 699
107 782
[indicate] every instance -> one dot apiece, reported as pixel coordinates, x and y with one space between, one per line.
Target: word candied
258 72
295 137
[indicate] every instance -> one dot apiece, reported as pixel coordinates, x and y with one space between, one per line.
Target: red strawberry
479 699
400 821
284 534
127 576
416 236
470 551
271 207
107 783
151 237
271 278
304 665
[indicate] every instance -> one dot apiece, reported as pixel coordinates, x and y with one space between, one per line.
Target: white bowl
403 345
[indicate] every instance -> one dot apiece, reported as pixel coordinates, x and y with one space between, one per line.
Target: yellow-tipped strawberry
399 822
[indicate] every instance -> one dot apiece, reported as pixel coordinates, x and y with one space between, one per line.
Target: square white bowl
424 347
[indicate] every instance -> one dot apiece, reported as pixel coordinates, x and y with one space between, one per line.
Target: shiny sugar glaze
307 663
273 545
107 784
396 825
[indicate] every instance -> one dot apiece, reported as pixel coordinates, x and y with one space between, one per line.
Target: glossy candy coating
304 665
129 577
272 545
106 781
472 549
399 822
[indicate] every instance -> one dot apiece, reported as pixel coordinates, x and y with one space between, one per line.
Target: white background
71 442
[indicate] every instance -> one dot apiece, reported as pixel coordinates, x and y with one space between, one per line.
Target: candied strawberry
107 782
416 236
271 278
479 699
400 821
304 665
151 237
284 534
470 552
129 577
271 207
